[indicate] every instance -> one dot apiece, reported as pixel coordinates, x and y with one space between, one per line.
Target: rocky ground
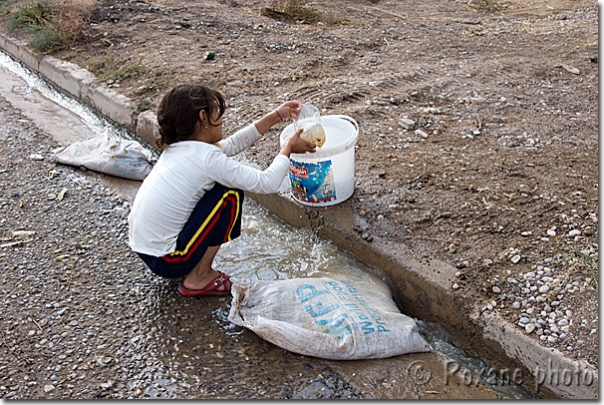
82 318
479 126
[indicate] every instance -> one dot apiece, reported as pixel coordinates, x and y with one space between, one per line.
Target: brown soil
505 94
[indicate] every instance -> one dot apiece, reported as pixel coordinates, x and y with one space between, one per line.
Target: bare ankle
198 279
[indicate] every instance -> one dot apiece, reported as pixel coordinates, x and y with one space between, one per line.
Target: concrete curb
422 286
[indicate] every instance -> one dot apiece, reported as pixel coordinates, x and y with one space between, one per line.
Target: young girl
191 201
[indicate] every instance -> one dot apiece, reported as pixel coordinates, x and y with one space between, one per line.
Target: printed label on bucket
312 182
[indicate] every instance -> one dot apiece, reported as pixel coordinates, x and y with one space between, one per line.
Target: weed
5 8
583 261
125 72
299 11
50 24
158 71
30 17
94 65
45 39
105 68
588 262
143 105
485 5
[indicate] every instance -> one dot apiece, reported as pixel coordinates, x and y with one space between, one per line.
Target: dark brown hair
178 111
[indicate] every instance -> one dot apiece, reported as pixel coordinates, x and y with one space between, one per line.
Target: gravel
82 318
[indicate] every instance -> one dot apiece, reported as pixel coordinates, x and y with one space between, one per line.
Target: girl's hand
289 109
295 144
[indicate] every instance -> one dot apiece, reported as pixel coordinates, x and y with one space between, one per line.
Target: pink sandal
212 288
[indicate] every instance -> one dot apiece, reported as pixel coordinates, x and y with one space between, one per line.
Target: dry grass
51 24
299 11
72 16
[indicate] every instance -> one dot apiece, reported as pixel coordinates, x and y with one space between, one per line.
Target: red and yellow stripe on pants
220 225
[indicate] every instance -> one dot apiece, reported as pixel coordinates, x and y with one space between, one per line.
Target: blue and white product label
347 310
312 182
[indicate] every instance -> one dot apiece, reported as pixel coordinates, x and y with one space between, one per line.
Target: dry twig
12 351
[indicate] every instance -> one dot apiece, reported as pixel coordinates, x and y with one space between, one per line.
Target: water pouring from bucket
325 177
310 120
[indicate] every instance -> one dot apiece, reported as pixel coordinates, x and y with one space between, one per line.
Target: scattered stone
421 133
571 69
574 232
478 100
515 259
107 385
529 328
406 123
496 289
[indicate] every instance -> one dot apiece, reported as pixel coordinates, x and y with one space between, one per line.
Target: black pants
216 219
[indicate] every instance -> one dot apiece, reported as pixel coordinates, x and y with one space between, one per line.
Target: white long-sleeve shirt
184 172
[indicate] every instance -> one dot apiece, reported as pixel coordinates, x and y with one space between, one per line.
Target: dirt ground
497 170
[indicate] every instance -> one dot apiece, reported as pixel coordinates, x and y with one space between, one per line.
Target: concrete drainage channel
422 286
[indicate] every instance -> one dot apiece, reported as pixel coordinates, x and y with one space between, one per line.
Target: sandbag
326 318
110 155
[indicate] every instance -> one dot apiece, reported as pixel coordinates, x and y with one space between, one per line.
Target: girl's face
213 132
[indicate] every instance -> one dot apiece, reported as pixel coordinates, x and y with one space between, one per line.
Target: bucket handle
349 119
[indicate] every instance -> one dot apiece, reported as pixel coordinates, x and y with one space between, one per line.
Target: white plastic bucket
325 177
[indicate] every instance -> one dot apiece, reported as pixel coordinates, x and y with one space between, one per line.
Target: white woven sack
110 155
326 318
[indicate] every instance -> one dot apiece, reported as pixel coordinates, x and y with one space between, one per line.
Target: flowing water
71 111
269 249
